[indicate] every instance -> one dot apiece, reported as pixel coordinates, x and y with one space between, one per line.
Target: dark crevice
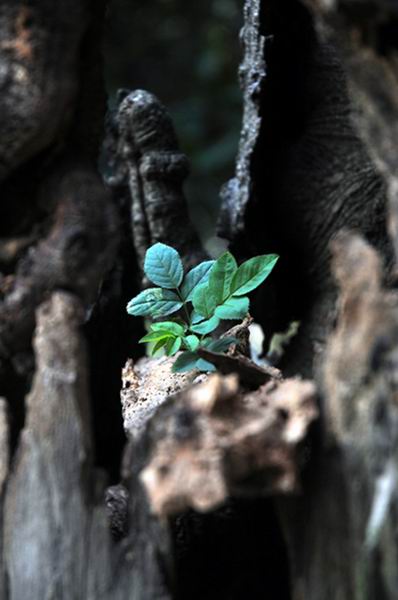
111 334
387 37
234 553
14 388
285 105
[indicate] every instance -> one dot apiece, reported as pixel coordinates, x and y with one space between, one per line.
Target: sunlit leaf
163 266
154 302
170 326
233 308
196 276
173 346
196 317
252 273
155 336
221 277
206 326
192 342
203 302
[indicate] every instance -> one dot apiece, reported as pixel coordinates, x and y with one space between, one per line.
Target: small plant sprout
211 291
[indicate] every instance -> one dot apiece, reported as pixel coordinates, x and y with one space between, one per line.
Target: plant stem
184 304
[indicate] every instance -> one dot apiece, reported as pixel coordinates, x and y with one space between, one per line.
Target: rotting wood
211 439
145 386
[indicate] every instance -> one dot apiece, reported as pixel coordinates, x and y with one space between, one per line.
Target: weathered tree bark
252 482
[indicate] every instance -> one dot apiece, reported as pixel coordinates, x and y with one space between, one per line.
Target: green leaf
233 308
251 273
203 302
173 346
163 266
222 344
159 345
188 361
196 317
192 342
207 326
154 302
196 276
220 278
185 362
154 336
205 365
170 326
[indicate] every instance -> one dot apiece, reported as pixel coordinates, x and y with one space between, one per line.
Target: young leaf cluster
211 291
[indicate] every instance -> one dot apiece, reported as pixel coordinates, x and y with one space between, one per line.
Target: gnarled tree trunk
277 482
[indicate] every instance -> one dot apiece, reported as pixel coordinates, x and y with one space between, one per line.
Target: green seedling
210 292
